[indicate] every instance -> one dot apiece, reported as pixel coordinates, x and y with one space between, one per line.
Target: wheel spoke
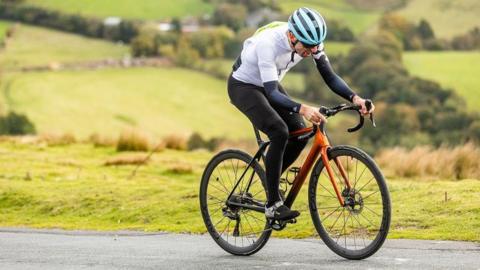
330 214
368 208
373 177
366 197
341 213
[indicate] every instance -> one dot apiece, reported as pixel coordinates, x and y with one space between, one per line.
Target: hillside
448 18
33 46
158 100
457 70
358 20
132 9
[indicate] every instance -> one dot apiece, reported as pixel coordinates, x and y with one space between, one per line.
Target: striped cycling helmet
308 26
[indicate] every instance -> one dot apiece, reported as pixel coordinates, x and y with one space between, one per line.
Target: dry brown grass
57 139
133 140
247 145
128 159
102 141
180 168
176 142
460 162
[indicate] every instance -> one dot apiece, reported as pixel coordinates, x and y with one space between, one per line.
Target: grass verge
69 187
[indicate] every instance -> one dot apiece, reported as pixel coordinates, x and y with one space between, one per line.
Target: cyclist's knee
278 131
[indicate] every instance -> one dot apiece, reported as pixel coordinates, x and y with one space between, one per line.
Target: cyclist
254 88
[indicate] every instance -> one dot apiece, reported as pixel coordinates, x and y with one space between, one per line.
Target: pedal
291 221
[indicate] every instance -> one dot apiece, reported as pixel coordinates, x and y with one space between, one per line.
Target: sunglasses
309 46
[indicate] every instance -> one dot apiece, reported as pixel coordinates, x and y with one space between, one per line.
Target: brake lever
372 120
369 104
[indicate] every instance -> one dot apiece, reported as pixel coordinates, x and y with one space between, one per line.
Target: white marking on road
401 260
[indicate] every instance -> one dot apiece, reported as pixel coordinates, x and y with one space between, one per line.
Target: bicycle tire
215 162
384 221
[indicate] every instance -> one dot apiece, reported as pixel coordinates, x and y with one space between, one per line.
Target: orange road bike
348 196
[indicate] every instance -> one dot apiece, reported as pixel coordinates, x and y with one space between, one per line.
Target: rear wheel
236 229
359 228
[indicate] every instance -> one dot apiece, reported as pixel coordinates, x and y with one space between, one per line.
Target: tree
231 15
144 44
424 30
16 124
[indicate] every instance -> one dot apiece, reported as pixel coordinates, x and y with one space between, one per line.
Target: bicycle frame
320 147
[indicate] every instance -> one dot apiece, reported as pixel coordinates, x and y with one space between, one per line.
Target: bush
133 141
339 32
196 141
231 15
210 43
16 124
101 141
186 55
144 44
176 142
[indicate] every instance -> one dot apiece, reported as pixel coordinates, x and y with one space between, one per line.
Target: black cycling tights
276 123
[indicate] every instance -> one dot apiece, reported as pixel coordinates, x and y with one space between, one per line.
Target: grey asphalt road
57 249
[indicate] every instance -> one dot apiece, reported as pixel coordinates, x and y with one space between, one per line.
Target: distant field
32 46
160 101
145 9
68 187
458 70
358 20
448 18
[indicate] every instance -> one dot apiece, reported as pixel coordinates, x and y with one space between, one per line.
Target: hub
353 200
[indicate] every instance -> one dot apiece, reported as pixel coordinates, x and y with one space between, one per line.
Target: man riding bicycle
254 88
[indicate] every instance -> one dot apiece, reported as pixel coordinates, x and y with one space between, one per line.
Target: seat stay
257 156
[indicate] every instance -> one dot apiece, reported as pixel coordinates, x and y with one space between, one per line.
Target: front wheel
357 229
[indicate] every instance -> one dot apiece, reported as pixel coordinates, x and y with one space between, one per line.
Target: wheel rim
235 226
357 225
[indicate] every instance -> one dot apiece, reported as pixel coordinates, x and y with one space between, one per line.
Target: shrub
133 141
186 55
144 45
195 141
16 124
101 141
176 142
231 15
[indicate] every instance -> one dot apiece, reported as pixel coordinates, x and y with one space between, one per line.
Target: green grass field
3 29
145 9
69 187
358 20
457 70
33 46
448 18
160 101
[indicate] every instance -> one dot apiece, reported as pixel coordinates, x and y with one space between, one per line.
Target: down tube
302 175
